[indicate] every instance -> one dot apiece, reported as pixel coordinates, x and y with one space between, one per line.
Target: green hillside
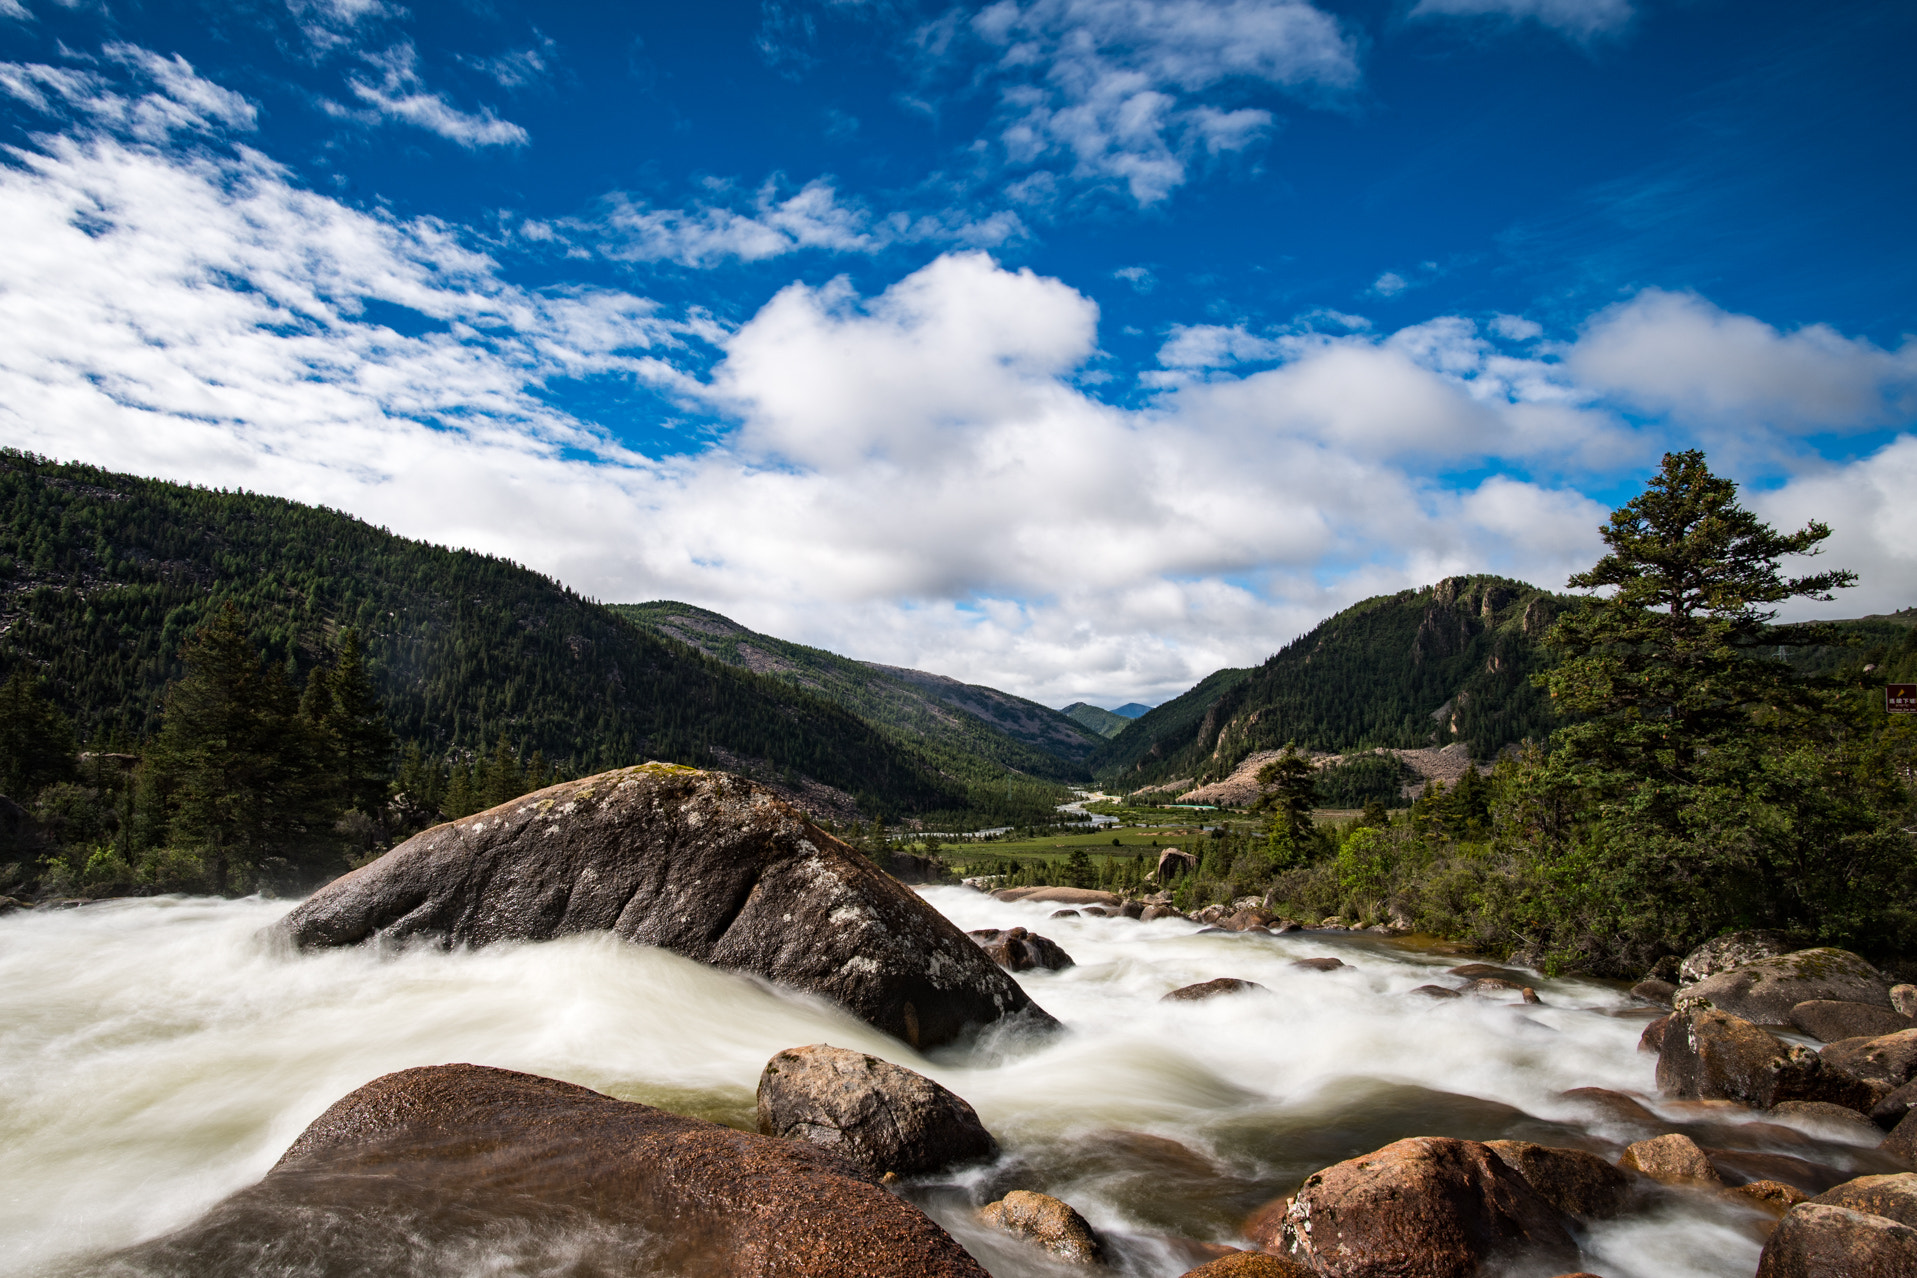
103 575
1450 662
1105 723
972 731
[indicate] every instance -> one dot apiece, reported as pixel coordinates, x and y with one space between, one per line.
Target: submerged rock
418 1169
1430 1206
1326 964
1837 1118
882 1116
1017 950
1673 1159
1818 1241
704 864
1250 1264
1828 1019
1765 990
1212 989
1047 1221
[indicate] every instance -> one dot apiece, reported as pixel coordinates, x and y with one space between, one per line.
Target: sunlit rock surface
704 864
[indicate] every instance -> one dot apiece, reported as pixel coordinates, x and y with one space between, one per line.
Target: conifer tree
353 726
1290 791
36 740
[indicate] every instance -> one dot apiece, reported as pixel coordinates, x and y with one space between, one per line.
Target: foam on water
157 1055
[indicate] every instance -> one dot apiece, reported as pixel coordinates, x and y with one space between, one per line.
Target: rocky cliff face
704 864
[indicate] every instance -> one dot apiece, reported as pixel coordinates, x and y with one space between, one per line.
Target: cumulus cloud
399 93
915 475
1873 526
1677 353
1580 19
1118 85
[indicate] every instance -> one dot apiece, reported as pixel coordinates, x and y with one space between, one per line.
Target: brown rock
1247 919
1817 1241
1659 992
1883 1063
1318 964
1613 1105
882 1116
1490 971
1059 896
1827 1019
709 866
1709 1055
1045 1220
1250 1264
1823 1114
1652 1039
1901 1144
1731 951
1765 990
1132 910
1890 1111
562 1179
1672 1159
1893 1196
1430 1206
1097 912
1773 1194
1017 950
1574 1182
1436 992
1904 999
1212 989
1154 912
1173 863
1064 914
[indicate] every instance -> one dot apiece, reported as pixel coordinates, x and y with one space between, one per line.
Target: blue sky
1074 346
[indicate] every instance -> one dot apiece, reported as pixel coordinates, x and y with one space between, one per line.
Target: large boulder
1814 1240
882 1116
1891 1196
1730 951
1765 990
1047 1221
1829 1019
1017 950
1060 896
703 864
1708 1055
1430 1206
1883 1063
1670 1159
426 1171
1573 1181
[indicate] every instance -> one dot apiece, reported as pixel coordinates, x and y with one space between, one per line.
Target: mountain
1132 710
1106 723
103 575
1448 663
972 731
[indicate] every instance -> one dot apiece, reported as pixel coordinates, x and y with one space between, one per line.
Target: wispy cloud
399 93
1580 19
1119 86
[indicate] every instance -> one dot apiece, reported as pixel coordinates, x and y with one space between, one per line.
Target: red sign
1900 698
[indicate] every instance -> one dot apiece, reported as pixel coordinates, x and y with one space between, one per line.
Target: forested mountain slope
103 575
1448 663
1105 723
971 730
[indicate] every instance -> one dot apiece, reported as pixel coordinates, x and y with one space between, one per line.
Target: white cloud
1677 353
1390 284
1582 19
916 476
1139 277
400 94
1116 84
181 101
15 10
1873 524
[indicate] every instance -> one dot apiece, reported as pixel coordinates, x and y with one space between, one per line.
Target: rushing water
155 1056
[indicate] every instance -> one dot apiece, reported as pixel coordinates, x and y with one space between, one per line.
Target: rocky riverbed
161 1056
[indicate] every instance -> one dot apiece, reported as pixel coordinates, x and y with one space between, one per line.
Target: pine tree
36 740
354 727
1290 790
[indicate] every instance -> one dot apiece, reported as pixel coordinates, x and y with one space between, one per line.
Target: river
157 1056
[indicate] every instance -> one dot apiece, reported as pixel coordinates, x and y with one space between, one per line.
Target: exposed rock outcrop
1893 1196
556 1178
1730 951
1430 1206
1708 1055
1765 990
1017 950
704 864
1883 1064
1048 1222
1827 1020
1818 1241
882 1116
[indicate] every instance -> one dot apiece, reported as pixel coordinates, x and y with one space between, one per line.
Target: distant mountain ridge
970 729
1448 663
1106 723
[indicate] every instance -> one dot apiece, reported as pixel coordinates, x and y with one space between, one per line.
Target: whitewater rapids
156 1055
